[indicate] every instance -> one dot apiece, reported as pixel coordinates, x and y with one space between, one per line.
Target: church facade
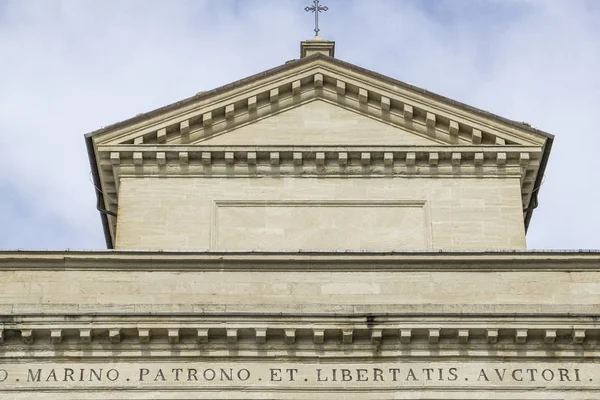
314 231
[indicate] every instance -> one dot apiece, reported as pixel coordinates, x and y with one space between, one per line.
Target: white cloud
67 68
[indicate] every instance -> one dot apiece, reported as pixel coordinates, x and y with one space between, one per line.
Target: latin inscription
301 375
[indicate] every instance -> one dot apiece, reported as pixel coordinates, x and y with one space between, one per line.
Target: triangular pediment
317 123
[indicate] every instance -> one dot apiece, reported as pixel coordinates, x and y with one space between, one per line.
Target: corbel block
274 158
500 141
501 158
138 140
385 103
320 158
491 335
411 158
343 158
230 111
365 158
408 112
578 336
430 120
297 158
340 87
524 159
388 159
114 335
434 336
274 95
144 335
184 157
85 335
229 157
318 80
173 335
56 336
318 336
453 129
251 158
363 96
463 336
232 335
521 336
27 336
207 119
296 87
347 336
434 159
161 134
478 159
115 158
184 128
289 336
477 135
376 336
405 335
138 158
550 336
261 335
1 336
206 158
252 103
203 335
161 158
456 157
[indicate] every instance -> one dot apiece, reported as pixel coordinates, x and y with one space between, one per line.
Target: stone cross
316 8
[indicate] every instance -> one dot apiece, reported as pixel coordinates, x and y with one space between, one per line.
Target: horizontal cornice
492 261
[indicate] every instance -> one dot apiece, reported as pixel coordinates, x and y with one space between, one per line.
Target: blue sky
70 67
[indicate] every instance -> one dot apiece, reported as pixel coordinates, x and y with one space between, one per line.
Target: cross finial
316 8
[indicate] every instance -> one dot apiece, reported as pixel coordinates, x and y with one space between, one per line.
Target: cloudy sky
70 67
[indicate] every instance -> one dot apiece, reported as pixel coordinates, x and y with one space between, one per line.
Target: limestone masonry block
115 158
410 159
434 335
85 335
521 336
478 160
114 335
261 335
347 335
376 336
501 159
144 335
202 335
184 157
230 111
297 158
434 158
289 336
161 134
232 335
274 158
252 103
318 80
500 141
138 140
320 158
184 128
408 111
385 103
318 336
463 336
27 336
251 158
550 336
388 159
138 159
491 335
454 128
56 336
340 87
430 120
363 95
207 119
578 336
476 136
161 158
365 158
296 87
274 95
405 335
173 335
206 158
456 157
229 157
